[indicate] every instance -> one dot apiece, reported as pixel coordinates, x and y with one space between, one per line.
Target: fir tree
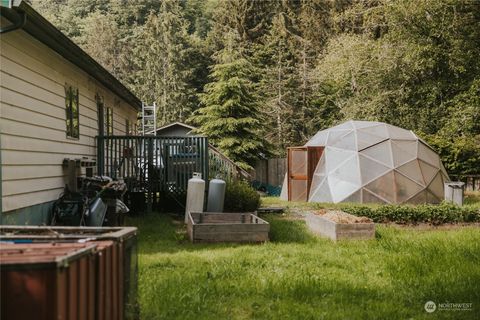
163 70
230 116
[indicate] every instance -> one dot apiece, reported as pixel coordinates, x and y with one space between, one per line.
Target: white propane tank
216 195
195 195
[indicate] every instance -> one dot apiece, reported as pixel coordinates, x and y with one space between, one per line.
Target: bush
427 213
240 197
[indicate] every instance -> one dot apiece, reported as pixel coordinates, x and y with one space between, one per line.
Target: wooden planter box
338 231
226 227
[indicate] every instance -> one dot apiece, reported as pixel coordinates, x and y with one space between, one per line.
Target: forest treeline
258 76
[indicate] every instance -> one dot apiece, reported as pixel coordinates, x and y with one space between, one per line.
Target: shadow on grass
288 231
164 233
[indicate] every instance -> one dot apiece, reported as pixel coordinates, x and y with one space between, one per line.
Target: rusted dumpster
116 265
47 281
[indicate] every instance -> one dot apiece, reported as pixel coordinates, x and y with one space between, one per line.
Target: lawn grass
299 276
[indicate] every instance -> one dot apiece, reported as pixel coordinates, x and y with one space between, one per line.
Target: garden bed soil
341 217
338 225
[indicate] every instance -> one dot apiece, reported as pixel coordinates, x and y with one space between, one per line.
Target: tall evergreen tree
230 115
163 70
281 83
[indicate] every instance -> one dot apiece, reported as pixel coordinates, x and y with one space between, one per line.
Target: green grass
472 199
299 276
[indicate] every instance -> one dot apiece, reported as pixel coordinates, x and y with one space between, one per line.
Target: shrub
427 213
240 197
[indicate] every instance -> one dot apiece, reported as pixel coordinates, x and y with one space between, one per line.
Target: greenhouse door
301 162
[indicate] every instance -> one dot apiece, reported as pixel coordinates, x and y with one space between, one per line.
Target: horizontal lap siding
33 126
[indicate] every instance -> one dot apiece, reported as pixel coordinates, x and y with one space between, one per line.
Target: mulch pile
341 217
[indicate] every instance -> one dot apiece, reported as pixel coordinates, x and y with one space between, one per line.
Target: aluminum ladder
149 119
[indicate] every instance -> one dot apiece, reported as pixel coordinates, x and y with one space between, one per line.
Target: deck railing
222 167
162 165
153 164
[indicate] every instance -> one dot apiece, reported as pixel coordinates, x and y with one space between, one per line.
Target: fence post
100 157
206 160
150 168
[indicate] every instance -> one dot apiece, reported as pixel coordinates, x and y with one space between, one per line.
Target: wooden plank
25 50
281 171
29 199
232 237
22 72
16 128
42 57
261 173
72 146
23 100
20 158
13 187
16 84
227 228
31 171
337 231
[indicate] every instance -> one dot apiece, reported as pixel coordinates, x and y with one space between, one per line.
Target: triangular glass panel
381 152
370 169
335 135
379 130
319 139
368 197
431 198
412 170
405 188
436 186
444 171
346 125
365 139
399 133
383 187
348 171
320 169
335 157
317 179
321 193
340 189
348 142
428 155
284 192
403 151
419 198
355 197
365 124
428 171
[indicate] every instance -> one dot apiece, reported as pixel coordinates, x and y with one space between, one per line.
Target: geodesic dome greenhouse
363 161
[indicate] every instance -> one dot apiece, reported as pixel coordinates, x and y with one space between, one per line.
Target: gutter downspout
20 23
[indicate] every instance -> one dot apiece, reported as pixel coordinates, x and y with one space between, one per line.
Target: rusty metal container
117 264
47 281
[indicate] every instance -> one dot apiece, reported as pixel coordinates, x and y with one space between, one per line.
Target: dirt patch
341 217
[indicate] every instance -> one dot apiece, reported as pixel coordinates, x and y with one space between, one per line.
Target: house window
71 107
128 130
109 121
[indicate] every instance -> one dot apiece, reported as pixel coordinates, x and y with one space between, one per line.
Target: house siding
33 120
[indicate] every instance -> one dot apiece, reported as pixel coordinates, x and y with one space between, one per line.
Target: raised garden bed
226 227
338 225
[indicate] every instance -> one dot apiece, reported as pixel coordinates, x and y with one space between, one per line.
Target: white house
54 100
